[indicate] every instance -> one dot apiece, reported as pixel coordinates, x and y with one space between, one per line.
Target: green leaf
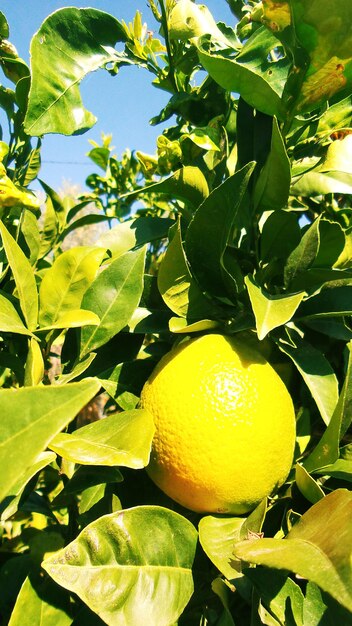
86 477
24 277
302 257
4 27
13 195
333 174
119 439
327 450
60 58
10 321
75 318
317 183
280 235
57 204
9 506
188 184
336 116
308 487
217 536
34 369
271 311
77 370
131 567
187 20
342 469
330 302
31 234
313 606
178 289
135 232
273 185
316 372
90 497
32 416
322 28
40 602
317 548
251 73
66 282
278 592
210 229
113 296
180 325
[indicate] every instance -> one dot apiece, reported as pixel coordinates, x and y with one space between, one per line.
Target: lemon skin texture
225 425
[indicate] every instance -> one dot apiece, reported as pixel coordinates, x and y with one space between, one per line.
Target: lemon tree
176 390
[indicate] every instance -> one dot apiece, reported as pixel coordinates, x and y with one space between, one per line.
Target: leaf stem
168 46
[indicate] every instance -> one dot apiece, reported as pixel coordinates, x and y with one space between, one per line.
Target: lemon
225 425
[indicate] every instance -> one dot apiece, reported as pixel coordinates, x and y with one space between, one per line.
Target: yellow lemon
225 425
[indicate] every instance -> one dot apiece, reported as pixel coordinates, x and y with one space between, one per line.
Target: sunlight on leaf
271 311
313 549
120 439
32 416
70 43
131 567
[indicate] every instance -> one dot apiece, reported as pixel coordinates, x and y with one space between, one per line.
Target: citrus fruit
225 425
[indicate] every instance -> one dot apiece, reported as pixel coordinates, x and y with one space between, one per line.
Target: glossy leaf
89 476
91 497
65 283
302 257
308 487
119 439
317 183
271 311
323 30
74 318
34 368
131 567
40 602
327 450
32 416
210 229
10 505
333 174
188 184
316 371
76 371
180 325
178 289
280 235
333 302
251 73
313 549
31 233
61 57
135 232
187 20
273 185
313 606
342 469
217 536
280 594
12 195
10 321
113 296
24 277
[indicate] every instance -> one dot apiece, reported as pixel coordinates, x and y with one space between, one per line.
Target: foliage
240 221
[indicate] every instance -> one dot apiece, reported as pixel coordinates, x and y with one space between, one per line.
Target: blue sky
123 104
